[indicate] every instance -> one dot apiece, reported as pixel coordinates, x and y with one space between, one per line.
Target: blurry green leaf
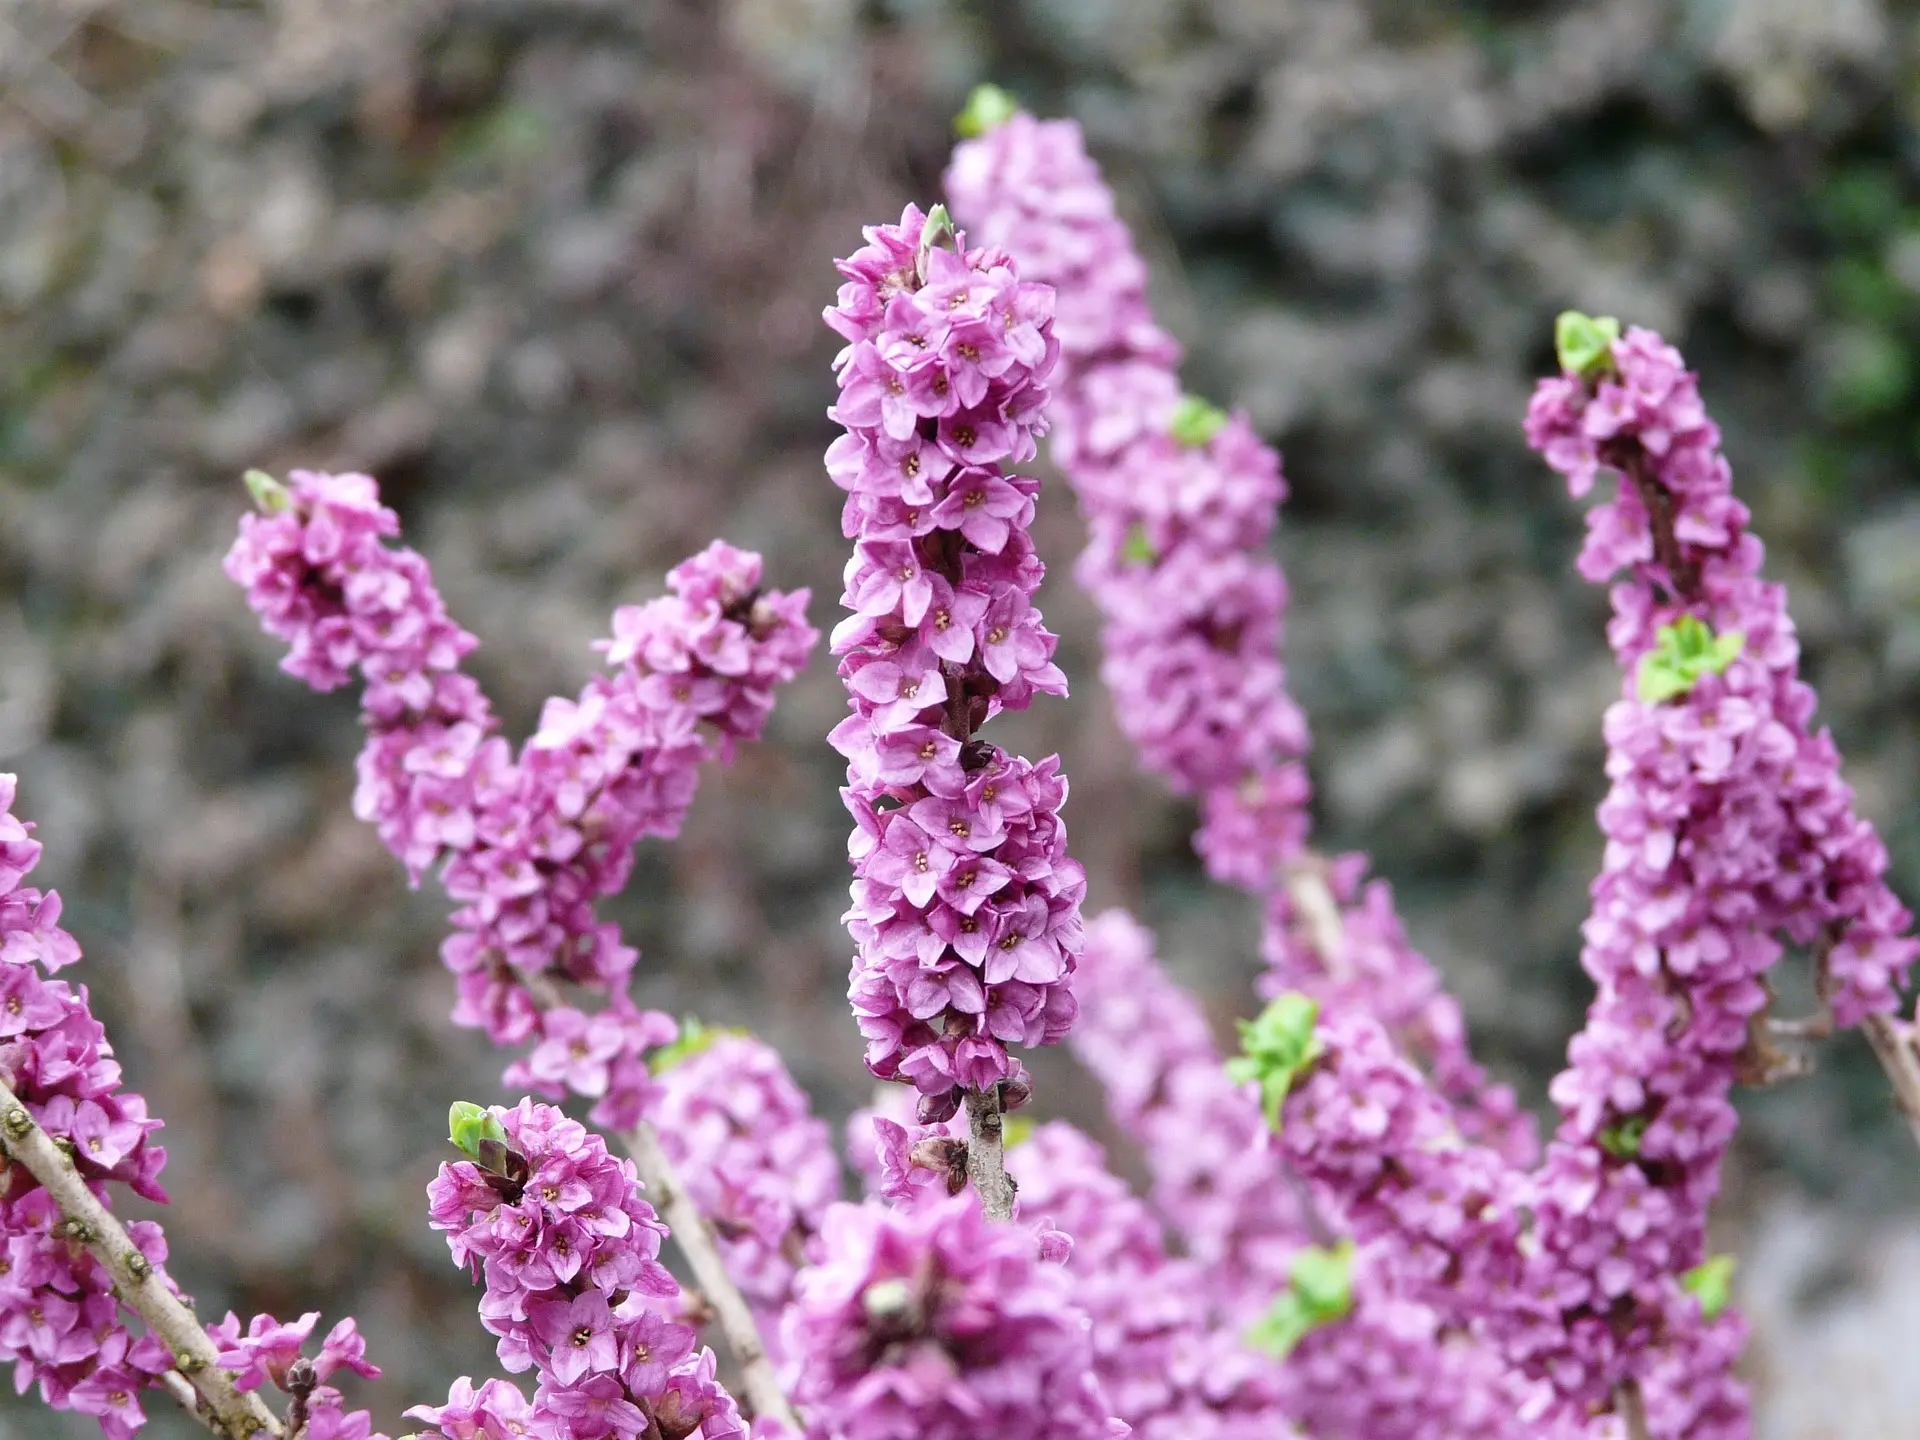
1016 1130
1584 343
1319 1291
1864 290
1195 422
987 107
1278 1044
1683 652
1622 1141
269 495
695 1038
1871 374
1711 1283
1861 203
1138 549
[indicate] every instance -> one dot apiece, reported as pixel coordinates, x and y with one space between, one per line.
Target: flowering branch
696 1239
1180 500
966 907
141 1288
530 843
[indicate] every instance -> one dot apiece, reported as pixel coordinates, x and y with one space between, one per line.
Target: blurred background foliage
552 270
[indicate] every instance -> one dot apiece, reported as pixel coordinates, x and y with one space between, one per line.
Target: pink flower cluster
1215 1176
574 1291
60 1321
270 1351
932 1323
1167 1369
1549 1271
527 846
1180 503
60 1316
754 1158
966 908
1222 1181
1732 777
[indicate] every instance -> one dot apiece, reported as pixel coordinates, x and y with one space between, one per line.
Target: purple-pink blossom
1180 502
966 906
526 845
934 1323
569 1252
61 1321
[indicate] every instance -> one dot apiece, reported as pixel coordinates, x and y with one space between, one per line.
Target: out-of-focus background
552 269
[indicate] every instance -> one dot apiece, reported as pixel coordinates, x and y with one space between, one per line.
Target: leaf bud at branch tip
469 1125
269 495
1584 343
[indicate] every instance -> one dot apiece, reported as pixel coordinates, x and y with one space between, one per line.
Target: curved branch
141 1289
696 1240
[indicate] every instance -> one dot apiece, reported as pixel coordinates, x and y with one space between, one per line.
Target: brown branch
1682 574
139 1287
1631 1407
1899 1055
1892 1040
695 1237
987 1153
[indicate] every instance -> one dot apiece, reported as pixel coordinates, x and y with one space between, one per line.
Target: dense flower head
1742 738
527 846
1180 502
966 907
60 1321
569 1251
930 1322
1230 1188
753 1157
1729 832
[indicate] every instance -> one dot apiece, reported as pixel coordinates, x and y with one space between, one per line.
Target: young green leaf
1622 1141
1278 1044
469 1125
989 106
1682 653
1195 422
1584 343
1138 549
1711 1283
1319 1292
269 495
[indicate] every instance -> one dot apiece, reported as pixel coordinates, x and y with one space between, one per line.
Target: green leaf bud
987 107
1195 422
1711 1283
469 1125
1584 343
270 497
1278 1045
